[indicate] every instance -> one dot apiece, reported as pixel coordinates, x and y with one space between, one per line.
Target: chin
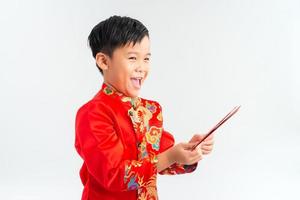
133 93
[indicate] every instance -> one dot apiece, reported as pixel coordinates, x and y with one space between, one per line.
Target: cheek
146 72
146 75
147 67
124 69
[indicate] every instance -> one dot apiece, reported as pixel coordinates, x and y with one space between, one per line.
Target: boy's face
128 67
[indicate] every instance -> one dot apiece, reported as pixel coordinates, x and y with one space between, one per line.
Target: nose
139 70
139 67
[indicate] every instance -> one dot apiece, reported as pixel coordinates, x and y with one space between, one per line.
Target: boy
119 135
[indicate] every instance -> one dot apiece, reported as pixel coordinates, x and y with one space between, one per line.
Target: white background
208 56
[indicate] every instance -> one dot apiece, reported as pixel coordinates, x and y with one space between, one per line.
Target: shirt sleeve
98 143
167 141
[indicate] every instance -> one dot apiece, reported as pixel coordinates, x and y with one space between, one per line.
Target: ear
102 60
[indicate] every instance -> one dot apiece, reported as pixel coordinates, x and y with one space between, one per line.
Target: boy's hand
181 153
207 145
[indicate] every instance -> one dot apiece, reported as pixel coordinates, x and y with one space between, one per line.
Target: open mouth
136 82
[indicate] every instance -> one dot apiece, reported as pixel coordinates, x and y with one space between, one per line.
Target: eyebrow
134 52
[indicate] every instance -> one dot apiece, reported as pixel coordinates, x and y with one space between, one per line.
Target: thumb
188 146
196 137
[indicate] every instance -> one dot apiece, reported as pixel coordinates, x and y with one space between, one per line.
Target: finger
206 152
208 142
206 148
198 148
194 153
210 137
191 157
197 158
188 146
196 137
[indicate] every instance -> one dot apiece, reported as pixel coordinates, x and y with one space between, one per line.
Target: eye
147 59
132 58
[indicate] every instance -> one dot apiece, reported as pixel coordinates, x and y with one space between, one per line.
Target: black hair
114 32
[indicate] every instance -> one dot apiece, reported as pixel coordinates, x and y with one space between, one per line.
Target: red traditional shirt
119 138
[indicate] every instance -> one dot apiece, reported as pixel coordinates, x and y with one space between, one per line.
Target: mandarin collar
108 89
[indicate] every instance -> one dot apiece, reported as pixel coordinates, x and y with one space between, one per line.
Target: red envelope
230 114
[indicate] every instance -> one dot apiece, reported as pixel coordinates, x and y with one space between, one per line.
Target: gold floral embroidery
143 153
148 190
151 107
135 102
144 115
126 99
140 113
108 90
153 137
140 117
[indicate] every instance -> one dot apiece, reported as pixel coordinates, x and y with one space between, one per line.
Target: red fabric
118 139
